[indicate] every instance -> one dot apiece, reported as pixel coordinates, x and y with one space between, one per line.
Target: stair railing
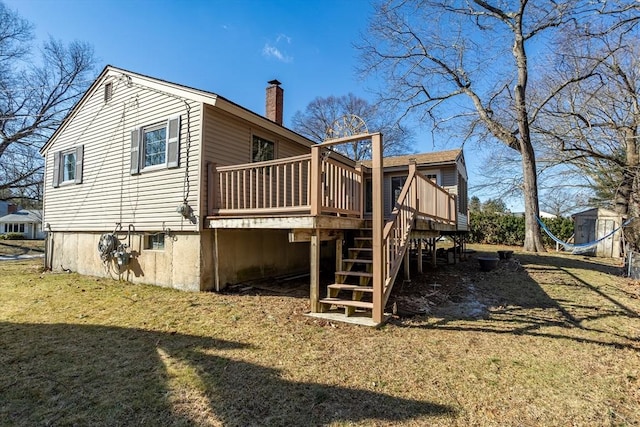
397 230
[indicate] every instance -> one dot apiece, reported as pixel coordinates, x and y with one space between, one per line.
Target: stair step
361 249
347 303
359 260
354 273
363 239
347 287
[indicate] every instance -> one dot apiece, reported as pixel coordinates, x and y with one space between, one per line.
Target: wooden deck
317 195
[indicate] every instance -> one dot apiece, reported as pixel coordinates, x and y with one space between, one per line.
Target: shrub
503 229
13 236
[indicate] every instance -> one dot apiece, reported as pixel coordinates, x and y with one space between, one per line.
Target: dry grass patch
21 247
557 344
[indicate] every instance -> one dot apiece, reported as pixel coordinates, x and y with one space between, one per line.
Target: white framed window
262 149
67 166
154 242
433 175
14 228
156 146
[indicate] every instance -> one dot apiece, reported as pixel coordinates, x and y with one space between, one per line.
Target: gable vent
108 92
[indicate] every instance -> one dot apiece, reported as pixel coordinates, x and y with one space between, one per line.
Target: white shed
594 224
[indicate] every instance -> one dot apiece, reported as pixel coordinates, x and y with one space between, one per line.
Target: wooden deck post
314 252
434 257
378 224
211 184
362 190
316 181
339 253
420 256
407 267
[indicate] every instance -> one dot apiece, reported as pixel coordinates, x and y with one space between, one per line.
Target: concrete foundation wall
177 266
189 261
252 254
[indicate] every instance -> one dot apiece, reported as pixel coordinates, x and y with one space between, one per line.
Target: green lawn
558 343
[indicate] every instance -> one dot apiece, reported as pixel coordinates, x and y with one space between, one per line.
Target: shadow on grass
517 302
65 374
18 249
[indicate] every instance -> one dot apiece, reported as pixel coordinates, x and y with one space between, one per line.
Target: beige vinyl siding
227 140
109 194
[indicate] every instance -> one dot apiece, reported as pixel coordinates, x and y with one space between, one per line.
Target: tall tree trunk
532 237
627 198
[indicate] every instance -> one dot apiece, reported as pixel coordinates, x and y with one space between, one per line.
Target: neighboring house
7 207
26 222
445 168
594 224
179 187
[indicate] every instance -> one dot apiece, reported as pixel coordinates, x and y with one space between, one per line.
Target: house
24 221
445 168
155 182
7 208
594 224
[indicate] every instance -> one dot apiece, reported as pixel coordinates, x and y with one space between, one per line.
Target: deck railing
419 197
284 186
262 187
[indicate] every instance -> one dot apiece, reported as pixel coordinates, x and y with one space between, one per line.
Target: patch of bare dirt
451 290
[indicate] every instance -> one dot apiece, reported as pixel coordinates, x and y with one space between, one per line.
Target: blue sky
229 47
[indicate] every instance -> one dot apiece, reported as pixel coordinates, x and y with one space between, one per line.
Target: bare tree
35 95
470 59
324 114
594 125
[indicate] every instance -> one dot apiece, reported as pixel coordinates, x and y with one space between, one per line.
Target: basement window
154 242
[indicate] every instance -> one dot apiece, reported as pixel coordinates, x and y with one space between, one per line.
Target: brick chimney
275 96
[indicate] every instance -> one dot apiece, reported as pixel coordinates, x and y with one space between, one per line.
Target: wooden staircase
353 288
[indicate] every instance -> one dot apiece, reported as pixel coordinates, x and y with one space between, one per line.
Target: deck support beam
407 267
314 252
434 256
339 253
419 256
378 225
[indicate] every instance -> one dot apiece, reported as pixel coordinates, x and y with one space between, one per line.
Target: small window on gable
108 92
154 242
67 166
156 146
433 177
262 150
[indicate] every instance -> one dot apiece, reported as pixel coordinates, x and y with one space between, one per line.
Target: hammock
582 247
